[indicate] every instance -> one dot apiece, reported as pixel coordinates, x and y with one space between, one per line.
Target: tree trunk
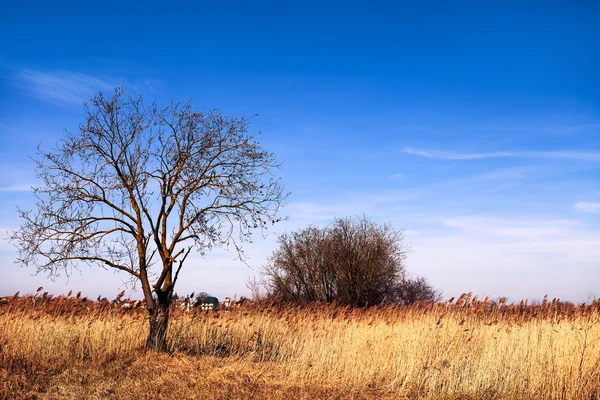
159 322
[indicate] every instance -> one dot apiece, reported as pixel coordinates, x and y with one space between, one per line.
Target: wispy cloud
396 177
517 228
63 87
448 155
69 88
583 127
517 256
305 213
587 207
16 188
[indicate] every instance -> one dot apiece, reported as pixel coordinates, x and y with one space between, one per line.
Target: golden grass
66 348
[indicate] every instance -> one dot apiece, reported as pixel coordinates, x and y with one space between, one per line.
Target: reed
69 347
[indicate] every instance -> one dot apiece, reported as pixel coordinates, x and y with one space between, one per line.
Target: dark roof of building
211 300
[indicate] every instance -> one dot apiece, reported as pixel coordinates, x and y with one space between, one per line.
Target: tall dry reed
468 349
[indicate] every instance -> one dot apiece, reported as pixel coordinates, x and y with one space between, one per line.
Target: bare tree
301 269
256 288
368 259
139 187
353 261
409 290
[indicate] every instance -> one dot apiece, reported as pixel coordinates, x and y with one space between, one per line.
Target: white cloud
447 155
583 127
461 263
25 187
68 88
587 207
62 87
511 228
411 232
305 213
515 257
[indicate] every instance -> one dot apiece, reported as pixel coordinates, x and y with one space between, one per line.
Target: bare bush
410 290
353 261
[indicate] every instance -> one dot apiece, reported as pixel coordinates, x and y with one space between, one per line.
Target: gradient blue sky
474 128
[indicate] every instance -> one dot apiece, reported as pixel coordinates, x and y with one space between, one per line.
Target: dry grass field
68 348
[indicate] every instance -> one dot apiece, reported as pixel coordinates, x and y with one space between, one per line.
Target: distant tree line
353 261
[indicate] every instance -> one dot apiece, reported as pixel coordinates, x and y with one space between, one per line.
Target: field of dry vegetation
68 348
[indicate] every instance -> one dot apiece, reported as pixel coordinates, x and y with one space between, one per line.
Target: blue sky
474 128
